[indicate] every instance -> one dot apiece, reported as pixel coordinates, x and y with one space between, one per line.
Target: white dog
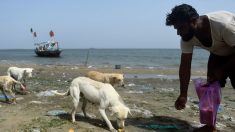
19 74
115 79
99 93
6 84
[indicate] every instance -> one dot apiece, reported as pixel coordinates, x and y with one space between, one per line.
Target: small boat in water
47 49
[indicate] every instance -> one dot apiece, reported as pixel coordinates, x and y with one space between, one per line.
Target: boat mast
55 44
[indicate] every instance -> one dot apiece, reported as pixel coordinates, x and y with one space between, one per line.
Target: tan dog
115 79
6 84
99 93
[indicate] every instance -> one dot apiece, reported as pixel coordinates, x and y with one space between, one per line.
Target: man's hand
180 102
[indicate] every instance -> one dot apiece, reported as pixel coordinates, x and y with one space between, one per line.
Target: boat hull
48 53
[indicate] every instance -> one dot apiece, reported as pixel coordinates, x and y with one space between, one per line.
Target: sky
81 24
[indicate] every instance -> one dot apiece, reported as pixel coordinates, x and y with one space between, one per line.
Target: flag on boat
51 33
34 34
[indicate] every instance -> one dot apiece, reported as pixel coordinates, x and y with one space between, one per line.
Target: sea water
128 58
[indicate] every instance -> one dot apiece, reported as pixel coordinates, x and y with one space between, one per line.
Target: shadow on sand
160 124
153 124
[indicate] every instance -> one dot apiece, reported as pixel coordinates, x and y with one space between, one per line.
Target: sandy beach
148 93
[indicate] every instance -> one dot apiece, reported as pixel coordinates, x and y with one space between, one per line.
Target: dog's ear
114 78
113 110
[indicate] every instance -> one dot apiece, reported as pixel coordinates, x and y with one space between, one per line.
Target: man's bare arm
185 73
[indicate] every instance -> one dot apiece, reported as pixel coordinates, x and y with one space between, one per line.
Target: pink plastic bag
209 100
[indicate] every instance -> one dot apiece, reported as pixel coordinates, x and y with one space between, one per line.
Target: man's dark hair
181 12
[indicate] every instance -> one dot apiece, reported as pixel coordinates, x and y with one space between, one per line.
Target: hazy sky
95 23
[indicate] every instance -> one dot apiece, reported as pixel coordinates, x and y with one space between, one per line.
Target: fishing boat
47 49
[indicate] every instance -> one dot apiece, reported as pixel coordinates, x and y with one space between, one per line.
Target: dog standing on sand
6 84
99 93
115 79
20 74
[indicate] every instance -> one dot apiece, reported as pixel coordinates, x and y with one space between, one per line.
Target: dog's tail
67 93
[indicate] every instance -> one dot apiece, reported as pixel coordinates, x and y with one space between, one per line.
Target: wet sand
149 93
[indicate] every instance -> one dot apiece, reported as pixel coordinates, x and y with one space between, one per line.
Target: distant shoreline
130 72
